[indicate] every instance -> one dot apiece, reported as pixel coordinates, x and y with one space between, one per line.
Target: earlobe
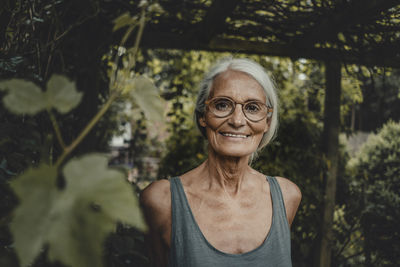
268 125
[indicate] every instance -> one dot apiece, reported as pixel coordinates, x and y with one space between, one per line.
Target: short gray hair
251 68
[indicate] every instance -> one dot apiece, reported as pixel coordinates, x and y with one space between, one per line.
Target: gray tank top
189 247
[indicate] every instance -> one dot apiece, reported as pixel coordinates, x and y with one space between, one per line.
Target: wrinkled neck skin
226 173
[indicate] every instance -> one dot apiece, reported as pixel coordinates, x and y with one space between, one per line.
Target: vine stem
139 34
87 129
115 70
56 129
131 61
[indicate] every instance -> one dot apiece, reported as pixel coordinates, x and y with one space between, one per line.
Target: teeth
234 135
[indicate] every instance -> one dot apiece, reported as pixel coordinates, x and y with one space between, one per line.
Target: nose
237 118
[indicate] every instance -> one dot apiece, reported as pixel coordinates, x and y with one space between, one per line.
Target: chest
233 226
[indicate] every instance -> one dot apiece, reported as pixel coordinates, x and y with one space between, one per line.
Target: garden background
97 102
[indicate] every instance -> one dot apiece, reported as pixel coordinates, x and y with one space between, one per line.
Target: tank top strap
278 203
178 198
177 207
180 209
185 237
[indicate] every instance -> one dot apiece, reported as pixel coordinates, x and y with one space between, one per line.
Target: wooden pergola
362 32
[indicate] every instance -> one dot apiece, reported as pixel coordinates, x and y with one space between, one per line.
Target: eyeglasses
253 110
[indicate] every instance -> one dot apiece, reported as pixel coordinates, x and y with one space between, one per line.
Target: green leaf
73 222
341 37
23 97
106 187
95 199
124 20
146 96
62 94
36 190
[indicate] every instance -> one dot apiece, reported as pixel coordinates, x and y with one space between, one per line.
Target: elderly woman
223 212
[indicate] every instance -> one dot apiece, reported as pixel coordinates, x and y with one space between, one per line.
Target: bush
374 187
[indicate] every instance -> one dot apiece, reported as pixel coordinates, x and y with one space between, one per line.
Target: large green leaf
62 94
147 97
26 98
23 97
37 191
106 187
75 221
101 198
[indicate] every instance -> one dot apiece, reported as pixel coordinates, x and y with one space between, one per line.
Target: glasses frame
268 114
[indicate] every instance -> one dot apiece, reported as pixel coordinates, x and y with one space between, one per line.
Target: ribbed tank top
189 247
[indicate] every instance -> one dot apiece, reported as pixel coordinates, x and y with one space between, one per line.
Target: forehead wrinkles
237 84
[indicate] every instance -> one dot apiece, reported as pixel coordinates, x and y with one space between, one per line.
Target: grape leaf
23 97
37 191
101 198
61 94
106 187
74 221
147 97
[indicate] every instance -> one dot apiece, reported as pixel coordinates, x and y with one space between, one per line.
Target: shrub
375 186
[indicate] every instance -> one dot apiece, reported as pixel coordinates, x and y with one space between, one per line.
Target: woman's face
234 135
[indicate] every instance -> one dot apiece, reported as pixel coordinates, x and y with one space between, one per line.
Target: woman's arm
291 197
155 201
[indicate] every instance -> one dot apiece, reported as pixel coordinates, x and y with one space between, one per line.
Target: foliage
373 189
85 211
26 98
185 152
81 215
377 98
74 206
147 97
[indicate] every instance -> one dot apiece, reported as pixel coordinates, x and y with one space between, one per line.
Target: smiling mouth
235 135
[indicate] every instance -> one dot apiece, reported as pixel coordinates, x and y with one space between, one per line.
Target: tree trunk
330 143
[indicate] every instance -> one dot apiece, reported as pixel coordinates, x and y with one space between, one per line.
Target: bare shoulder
154 191
289 189
155 200
291 196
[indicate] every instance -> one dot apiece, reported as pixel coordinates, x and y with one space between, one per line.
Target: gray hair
251 68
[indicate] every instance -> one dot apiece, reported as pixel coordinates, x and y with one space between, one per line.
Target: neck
227 173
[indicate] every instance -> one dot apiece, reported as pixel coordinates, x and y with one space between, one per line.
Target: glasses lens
221 107
255 111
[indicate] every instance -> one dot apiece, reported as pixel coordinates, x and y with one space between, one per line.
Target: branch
56 129
87 129
139 34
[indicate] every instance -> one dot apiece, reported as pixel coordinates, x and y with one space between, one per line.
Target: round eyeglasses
253 110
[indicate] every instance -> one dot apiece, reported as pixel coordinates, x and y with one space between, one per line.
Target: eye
222 105
253 107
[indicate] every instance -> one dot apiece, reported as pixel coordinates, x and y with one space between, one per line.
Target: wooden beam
356 12
176 41
330 147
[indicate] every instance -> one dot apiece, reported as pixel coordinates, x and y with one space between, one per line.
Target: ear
268 125
202 122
